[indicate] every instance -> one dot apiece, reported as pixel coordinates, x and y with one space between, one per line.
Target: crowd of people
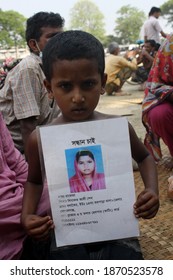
60 82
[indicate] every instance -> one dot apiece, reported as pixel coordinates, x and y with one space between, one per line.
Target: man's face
48 33
157 14
148 47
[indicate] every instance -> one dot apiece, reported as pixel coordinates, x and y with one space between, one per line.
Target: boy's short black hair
154 10
71 45
39 20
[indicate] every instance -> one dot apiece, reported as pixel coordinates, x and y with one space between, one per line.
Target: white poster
90 180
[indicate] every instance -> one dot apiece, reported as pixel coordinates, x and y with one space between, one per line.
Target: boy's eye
65 86
88 84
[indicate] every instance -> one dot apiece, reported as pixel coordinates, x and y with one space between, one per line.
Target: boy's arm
27 125
147 203
36 226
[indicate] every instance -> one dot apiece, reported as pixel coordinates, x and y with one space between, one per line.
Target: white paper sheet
90 216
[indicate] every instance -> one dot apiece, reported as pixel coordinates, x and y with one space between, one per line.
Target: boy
73 63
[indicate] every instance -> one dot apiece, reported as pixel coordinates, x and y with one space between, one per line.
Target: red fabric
158 88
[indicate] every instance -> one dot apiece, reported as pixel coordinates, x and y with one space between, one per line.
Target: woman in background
157 106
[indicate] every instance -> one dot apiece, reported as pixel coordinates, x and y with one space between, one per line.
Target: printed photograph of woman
86 177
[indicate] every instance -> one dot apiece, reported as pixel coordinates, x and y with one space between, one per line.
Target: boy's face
76 86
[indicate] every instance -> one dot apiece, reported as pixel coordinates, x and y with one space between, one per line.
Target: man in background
118 69
24 100
152 28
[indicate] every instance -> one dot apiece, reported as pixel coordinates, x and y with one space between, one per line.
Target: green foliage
111 38
86 16
12 29
129 23
167 11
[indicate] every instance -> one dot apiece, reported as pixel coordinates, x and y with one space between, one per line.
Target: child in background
73 63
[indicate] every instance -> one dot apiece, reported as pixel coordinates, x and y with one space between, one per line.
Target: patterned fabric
159 86
24 95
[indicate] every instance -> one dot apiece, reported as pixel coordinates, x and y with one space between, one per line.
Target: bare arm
27 126
34 225
147 203
147 55
163 34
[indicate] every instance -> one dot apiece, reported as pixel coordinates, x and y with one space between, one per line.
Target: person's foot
170 187
167 162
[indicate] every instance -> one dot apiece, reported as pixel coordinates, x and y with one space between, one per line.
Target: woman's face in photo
85 165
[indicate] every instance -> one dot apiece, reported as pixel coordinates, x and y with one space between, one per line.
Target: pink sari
77 182
13 175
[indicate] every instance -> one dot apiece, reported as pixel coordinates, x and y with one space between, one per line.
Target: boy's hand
38 227
147 204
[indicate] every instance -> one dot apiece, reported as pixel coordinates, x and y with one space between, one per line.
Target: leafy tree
111 38
167 11
129 23
12 29
86 16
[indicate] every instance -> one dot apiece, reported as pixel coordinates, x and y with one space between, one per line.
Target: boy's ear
104 79
48 87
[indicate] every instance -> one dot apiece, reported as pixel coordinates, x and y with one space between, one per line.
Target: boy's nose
78 97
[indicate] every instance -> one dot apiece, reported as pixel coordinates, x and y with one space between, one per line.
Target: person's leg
124 74
110 88
161 121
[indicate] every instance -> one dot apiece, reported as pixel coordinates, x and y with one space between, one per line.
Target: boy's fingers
37 221
145 198
45 228
146 212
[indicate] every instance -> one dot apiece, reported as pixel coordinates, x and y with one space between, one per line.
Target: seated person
157 105
118 69
146 58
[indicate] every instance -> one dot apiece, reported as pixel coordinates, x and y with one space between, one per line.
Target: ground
156 235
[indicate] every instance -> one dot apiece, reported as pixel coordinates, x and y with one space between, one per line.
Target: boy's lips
79 110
